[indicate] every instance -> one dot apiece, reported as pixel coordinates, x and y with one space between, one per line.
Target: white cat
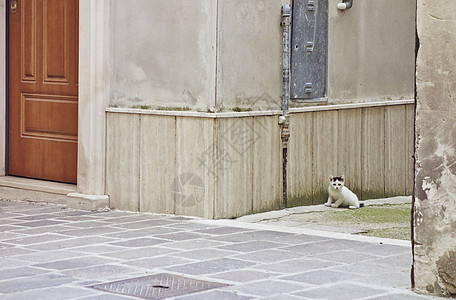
341 195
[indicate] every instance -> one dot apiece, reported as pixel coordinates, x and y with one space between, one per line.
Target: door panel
43 90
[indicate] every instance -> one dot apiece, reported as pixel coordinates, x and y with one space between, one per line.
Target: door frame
94 54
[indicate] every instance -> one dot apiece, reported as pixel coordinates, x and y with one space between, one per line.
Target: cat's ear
331 177
342 177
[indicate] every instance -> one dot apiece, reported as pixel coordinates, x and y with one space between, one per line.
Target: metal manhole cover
159 286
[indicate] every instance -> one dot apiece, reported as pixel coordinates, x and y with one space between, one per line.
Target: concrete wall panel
234 167
350 148
194 186
158 163
395 150
267 165
300 150
123 161
373 160
325 153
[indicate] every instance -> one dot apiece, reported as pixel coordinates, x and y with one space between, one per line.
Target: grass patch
385 221
240 109
174 108
399 233
142 107
375 214
171 108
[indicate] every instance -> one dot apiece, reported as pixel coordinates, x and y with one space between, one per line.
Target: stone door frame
93 94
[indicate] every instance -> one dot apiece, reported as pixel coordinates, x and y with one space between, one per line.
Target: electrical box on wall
309 50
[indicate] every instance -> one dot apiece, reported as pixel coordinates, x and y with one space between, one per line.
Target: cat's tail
357 206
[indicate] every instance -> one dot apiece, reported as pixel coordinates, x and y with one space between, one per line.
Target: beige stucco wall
371 51
163 53
206 54
434 217
249 72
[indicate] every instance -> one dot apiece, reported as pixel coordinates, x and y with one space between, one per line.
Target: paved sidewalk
50 252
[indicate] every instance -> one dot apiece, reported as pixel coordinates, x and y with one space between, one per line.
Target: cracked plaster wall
434 216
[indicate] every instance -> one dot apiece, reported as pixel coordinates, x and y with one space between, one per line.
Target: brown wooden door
43 89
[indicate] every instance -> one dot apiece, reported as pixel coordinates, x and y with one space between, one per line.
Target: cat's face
336 183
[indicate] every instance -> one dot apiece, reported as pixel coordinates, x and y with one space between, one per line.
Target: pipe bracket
346 4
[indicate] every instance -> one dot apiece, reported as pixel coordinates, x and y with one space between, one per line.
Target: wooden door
43 89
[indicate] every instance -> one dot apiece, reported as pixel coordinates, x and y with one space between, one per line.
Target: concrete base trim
312 108
87 202
352 105
37 185
33 190
12 193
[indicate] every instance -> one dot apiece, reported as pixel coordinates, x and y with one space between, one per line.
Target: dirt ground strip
387 218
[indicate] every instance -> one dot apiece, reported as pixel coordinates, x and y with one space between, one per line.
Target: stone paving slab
51 252
342 291
53 293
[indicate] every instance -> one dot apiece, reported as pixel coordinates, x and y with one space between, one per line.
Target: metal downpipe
284 119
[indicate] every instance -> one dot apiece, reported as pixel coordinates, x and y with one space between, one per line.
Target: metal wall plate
309 50
159 286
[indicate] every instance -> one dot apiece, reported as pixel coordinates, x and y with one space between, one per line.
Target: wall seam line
139 163
175 160
216 104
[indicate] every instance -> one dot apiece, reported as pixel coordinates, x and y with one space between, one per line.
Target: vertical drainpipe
284 119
